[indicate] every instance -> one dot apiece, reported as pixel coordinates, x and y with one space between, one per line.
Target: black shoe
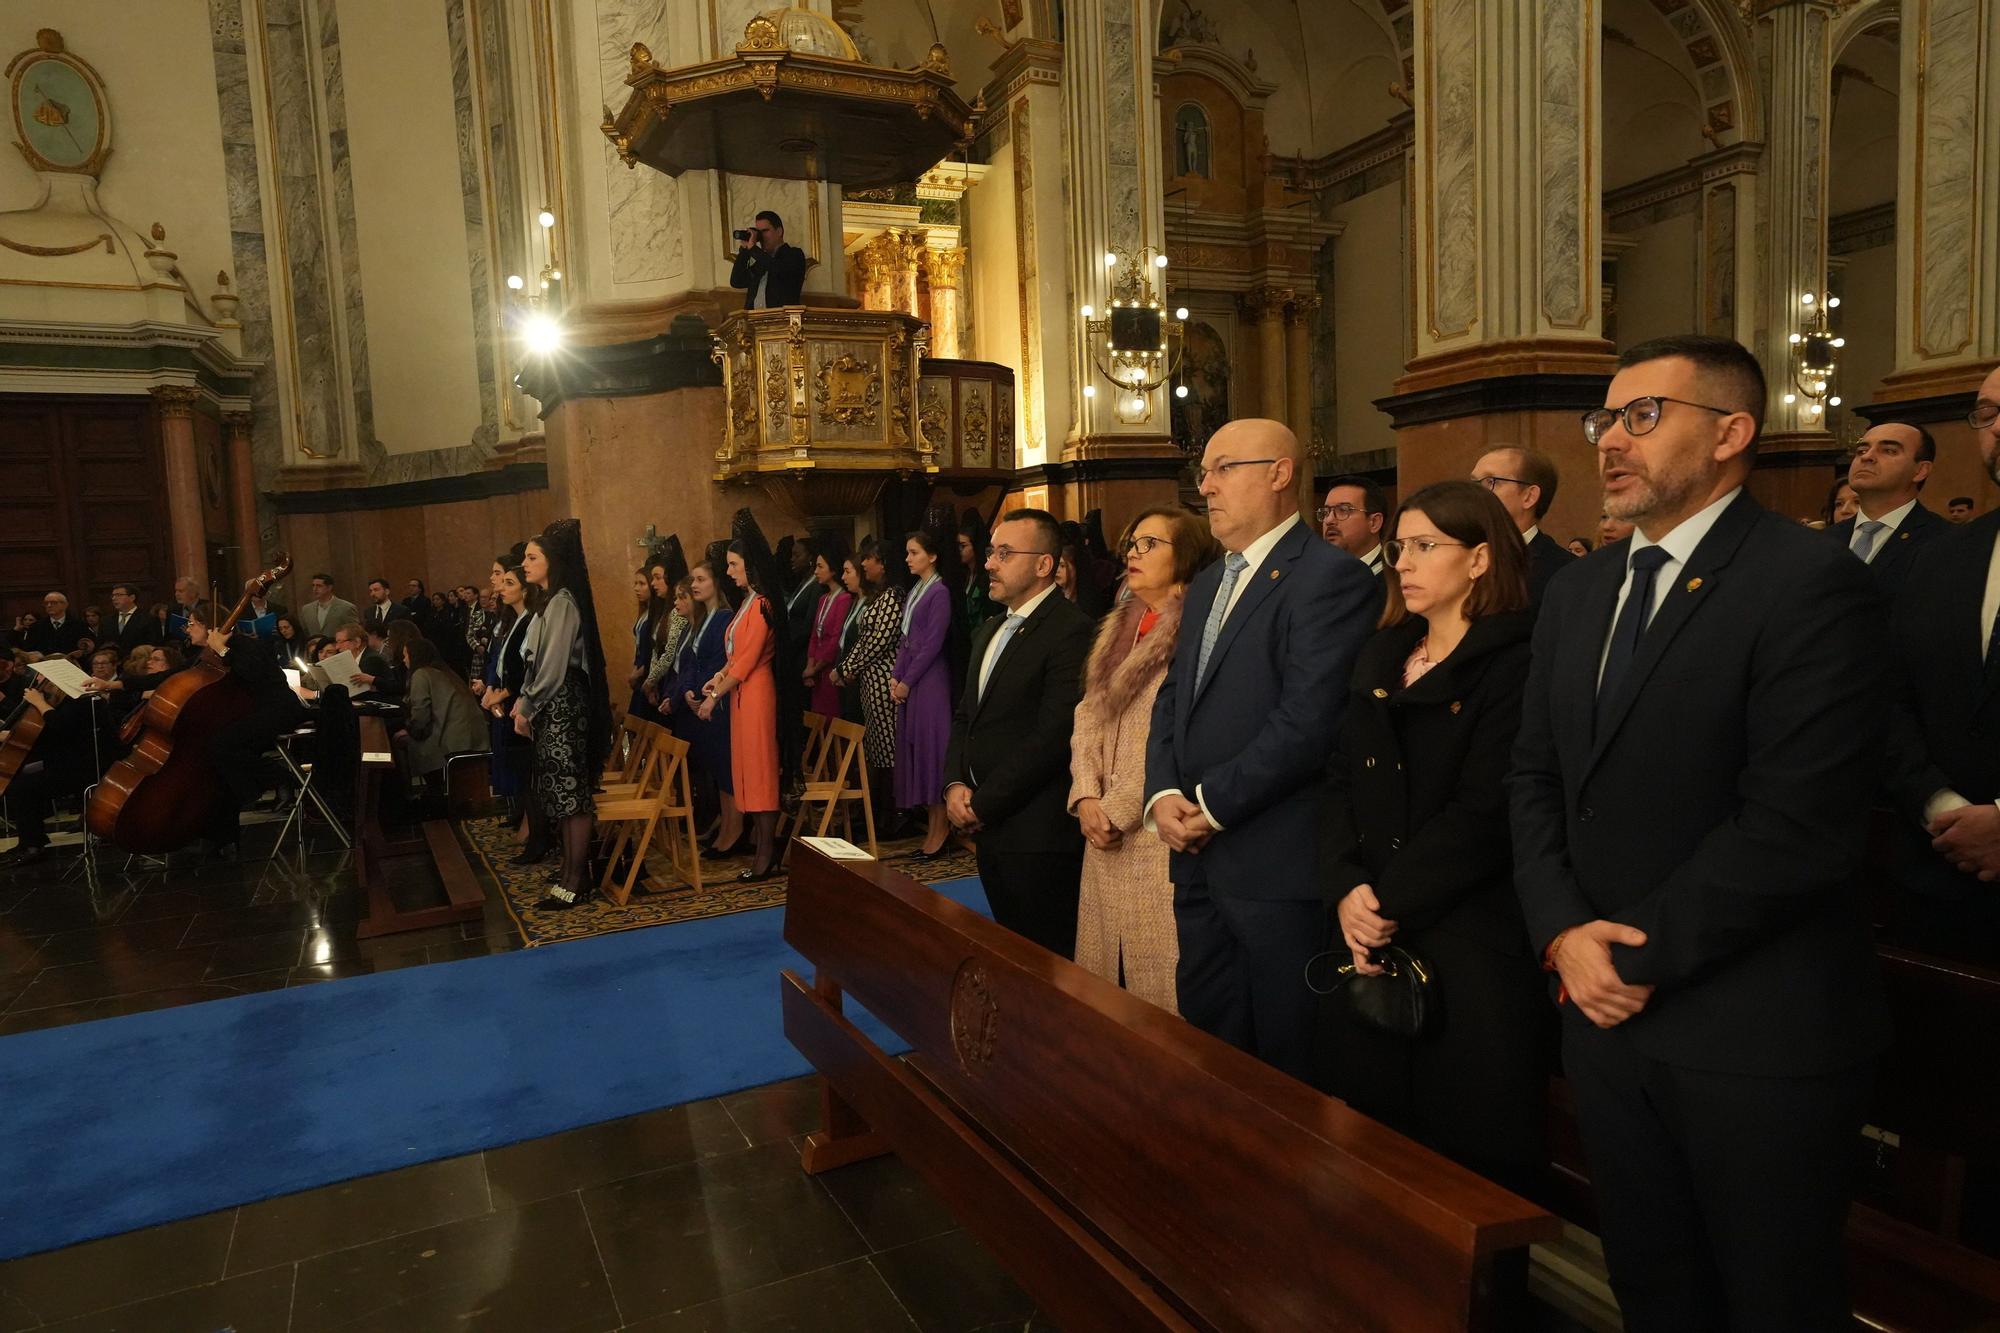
737 848
921 855
753 875
531 854
560 899
26 856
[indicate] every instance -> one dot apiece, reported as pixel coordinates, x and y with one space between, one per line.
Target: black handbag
1402 999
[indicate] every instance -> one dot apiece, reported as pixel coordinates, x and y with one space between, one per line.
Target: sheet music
291 677
65 675
840 849
340 669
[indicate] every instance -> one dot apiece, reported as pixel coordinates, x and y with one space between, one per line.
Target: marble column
1298 364
1947 232
1794 204
1506 192
1115 201
942 271
1265 308
1026 89
876 263
174 405
909 258
243 497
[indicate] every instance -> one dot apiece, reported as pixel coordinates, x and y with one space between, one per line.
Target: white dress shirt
1028 608
1679 546
1374 560
1890 522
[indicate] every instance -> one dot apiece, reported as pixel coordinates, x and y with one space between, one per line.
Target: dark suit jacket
1898 554
141 628
787 268
1722 805
1012 746
45 638
1255 736
384 615
1547 558
1947 731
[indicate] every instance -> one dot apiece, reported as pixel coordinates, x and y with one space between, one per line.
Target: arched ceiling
1861 152
899 33
1653 99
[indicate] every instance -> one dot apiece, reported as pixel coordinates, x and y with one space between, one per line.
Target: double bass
157 798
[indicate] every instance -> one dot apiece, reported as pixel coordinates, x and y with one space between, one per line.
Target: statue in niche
1205 372
1190 26
1191 141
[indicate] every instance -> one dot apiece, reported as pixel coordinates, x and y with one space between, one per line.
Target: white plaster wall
1656 282
409 220
1867 319
1369 316
166 127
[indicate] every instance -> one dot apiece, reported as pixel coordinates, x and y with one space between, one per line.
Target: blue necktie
1865 532
1232 569
1631 626
1006 632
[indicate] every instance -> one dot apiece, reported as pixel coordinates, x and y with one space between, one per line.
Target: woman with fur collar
1125 913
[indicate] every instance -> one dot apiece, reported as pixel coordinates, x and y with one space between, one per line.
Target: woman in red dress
751 687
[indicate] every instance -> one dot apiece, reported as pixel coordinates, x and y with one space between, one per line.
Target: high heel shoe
531 854
737 848
560 899
752 875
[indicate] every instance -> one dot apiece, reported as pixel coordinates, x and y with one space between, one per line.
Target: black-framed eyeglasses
1640 415
1005 553
1490 482
1343 512
1982 415
1202 474
1143 545
1417 546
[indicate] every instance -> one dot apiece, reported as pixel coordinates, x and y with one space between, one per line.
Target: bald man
1889 467
1236 760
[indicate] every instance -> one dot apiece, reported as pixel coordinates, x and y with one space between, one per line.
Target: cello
157 798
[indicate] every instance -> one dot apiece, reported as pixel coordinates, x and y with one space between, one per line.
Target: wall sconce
1135 344
538 313
1815 358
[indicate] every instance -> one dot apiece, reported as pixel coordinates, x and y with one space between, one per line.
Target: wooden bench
465 899
1130 1171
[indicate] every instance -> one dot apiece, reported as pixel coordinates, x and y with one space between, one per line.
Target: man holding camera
770 272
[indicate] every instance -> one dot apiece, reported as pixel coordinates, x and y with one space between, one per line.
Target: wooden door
82 502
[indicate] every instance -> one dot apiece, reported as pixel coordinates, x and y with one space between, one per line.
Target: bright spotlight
1180 391
1090 312
1181 313
546 218
543 334
514 282
1090 391
1159 261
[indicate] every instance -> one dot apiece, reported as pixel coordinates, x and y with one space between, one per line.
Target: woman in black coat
1419 847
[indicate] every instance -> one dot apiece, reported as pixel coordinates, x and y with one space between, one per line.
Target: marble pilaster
243 496
1793 183
174 406
943 270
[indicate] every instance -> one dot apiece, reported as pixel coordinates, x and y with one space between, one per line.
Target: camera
740 234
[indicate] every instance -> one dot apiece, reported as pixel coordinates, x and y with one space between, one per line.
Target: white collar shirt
1680 546
1254 556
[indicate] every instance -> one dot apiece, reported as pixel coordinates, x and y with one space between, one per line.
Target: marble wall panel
1718 269
642 206
1947 138
1560 109
1453 243
469 138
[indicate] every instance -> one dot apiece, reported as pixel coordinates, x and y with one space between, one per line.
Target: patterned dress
556 702
871 661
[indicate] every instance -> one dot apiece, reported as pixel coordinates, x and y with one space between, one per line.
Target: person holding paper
62 763
362 665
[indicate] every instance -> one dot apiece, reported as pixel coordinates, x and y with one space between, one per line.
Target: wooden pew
1130 1171
465 899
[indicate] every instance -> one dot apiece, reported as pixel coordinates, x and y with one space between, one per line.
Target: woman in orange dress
751 687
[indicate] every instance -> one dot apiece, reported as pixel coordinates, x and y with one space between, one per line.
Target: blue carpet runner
128 1122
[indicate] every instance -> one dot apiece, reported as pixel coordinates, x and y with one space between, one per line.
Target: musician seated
348 638
189 605
57 633
66 757
13 685
237 753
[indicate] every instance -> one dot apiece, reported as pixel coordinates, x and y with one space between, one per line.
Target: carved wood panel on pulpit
81 504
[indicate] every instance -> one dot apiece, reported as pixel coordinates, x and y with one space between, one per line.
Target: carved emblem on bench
975 1016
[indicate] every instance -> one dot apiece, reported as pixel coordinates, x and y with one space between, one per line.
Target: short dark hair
1373 500
378 579
1044 523
1538 470
1736 375
1965 500
327 579
768 216
127 589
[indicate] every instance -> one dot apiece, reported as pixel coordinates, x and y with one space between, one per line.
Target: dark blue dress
508 766
702 655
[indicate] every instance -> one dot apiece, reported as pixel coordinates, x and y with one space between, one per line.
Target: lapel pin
1456 704
1694 585
1904 536
1274 573
1381 694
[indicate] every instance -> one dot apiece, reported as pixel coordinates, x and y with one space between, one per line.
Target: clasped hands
1098 830
1181 823
1582 958
958 808
1969 838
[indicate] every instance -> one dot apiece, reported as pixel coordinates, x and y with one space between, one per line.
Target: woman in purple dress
921 685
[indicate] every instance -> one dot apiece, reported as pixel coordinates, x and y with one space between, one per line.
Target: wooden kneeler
662 794
841 764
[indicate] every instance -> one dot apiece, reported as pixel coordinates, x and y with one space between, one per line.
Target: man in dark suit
1890 466
1236 761
1007 766
1352 517
128 625
383 608
770 273
57 633
1945 763
1524 482
1960 509
1698 751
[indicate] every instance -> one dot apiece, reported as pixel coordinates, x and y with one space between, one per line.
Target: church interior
352 292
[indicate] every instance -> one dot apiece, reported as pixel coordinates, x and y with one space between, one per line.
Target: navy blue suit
1256 738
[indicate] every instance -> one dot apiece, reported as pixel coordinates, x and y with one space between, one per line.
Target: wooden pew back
1131 1171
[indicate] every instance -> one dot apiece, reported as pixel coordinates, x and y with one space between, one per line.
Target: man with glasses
1007 766
1236 760
770 273
1889 467
1524 482
1945 756
1699 748
1352 517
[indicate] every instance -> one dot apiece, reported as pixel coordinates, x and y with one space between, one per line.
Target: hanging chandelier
1135 343
1815 358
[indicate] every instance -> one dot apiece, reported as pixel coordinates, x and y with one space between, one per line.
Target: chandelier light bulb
1791 398
1840 342
1819 386
556 273
1138 404
546 218
1180 391
1181 313
543 335
1798 337
1834 401
1814 409
1807 299
1110 260
514 283
1832 302
1090 391
1089 312
1159 261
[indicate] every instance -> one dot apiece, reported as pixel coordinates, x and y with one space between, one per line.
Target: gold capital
175 401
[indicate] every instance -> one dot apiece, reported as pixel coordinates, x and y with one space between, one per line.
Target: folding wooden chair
642 736
662 794
812 757
625 750
845 779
